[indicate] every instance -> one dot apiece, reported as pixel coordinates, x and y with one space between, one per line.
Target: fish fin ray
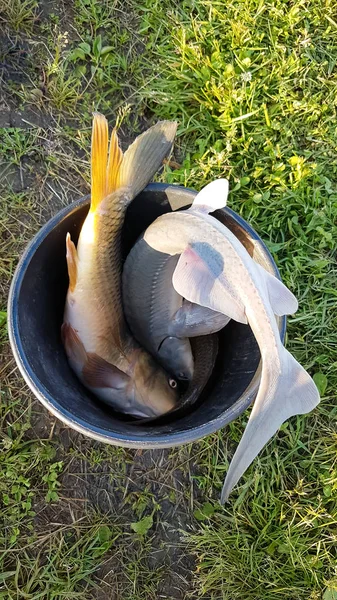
195 282
145 155
295 394
99 373
116 333
72 259
192 320
282 300
99 157
73 346
96 372
212 197
114 163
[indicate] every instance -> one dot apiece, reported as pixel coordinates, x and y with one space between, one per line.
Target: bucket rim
165 440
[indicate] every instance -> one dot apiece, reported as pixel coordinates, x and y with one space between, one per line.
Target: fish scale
108 270
148 291
158 317
99 346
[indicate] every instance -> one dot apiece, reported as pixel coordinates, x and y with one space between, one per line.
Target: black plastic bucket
35 311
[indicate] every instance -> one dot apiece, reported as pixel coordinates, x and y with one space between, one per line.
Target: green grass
20 14
252 85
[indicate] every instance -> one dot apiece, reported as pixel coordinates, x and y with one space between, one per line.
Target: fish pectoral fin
192 320
281 396
73 346
282 300
99 373
71 256
212 197
99 159
195 281
145 155
96 372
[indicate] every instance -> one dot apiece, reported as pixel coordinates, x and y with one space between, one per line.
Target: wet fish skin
150 303
216 271
205 350
158 316
99 346
193 320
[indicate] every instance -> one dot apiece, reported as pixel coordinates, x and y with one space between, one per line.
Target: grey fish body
150 304
205 351
149 298
192 320
159 318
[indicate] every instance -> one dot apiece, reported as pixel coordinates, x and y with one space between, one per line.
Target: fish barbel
99 346
215 270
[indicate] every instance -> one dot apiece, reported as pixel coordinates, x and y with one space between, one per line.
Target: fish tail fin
212 197
145 155
135 168
114 162
99 159
281 395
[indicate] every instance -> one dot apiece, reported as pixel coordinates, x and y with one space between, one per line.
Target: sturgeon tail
281 395
111 169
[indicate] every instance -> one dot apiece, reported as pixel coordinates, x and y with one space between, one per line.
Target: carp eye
172 383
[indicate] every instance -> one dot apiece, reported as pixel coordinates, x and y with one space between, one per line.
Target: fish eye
172 383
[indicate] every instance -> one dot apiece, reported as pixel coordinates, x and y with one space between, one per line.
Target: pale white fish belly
83 310
84 318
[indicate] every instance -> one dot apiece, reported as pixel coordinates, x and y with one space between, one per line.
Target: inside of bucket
40 312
